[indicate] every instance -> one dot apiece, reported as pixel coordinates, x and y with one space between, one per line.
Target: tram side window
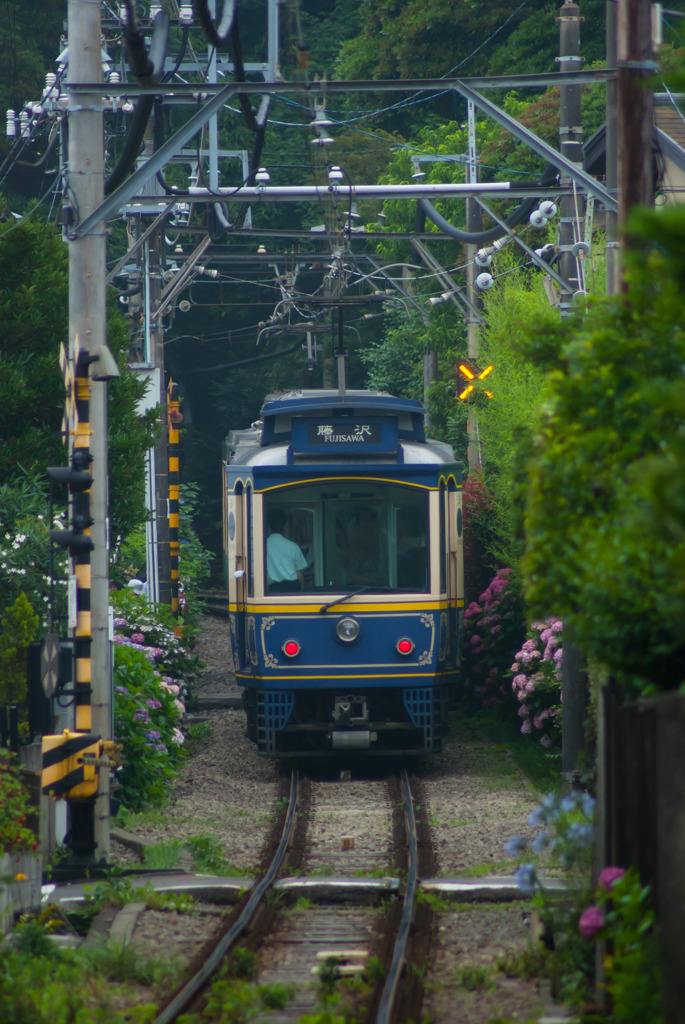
411 546
289 547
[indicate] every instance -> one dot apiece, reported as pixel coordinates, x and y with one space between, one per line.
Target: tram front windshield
354 535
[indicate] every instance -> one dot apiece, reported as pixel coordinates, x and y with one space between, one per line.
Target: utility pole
474 224
611 151
573 676
87 269
635 113
570 146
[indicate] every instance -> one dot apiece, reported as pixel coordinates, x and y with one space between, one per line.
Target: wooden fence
642 815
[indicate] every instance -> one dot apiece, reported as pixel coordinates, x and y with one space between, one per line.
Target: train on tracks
343 542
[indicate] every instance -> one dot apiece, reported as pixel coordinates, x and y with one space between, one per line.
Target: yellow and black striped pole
82 520
174 418
69 759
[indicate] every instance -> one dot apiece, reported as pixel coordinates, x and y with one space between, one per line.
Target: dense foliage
33 323
15 836
154 671
606 497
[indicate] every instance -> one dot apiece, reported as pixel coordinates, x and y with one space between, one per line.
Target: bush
493 629
605 482
152 628
15 837
147 717
563 845
17 629
536 680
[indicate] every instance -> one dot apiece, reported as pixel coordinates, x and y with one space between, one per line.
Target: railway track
337 901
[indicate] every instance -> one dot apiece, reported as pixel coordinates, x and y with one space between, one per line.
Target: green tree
34 320
17 629
606 491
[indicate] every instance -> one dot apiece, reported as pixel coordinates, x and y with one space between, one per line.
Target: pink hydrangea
519 680
494 630
475 640
523 711
526 728
546 740
137 638
609 876
515 667
591 922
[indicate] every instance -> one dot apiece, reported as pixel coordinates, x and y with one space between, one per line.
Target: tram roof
279 411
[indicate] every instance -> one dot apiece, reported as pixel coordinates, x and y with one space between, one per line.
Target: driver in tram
285 563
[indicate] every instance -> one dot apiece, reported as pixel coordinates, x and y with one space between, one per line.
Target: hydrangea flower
609 876
591 922
525 878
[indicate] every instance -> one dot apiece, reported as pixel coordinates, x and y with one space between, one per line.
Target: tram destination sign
358 434
345 434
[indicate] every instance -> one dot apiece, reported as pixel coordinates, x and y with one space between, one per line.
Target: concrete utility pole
573 678
570 146
474 223
87 269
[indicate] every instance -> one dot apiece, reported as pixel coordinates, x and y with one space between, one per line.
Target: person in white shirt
285 563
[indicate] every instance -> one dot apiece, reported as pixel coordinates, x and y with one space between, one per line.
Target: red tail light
404 645
291 648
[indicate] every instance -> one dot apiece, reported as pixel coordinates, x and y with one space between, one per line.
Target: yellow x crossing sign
471 374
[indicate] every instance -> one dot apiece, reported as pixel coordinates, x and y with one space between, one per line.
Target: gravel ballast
477 800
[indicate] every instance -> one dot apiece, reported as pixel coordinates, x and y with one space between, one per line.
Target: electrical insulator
537 219
11 124
24 126
185 14
484 282
548 208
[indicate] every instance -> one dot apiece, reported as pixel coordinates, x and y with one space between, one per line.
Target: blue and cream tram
359 648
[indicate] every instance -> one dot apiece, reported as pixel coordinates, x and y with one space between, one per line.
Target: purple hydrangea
608 877
591 922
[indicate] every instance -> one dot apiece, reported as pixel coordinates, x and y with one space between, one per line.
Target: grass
205 852
540 767
474 979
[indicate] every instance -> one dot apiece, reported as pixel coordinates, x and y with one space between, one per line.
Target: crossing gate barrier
70 764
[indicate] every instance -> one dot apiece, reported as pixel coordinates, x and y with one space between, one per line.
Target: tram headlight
347 629
291 648
404 645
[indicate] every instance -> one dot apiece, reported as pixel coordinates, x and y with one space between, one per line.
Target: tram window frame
249 539
443 538
340 506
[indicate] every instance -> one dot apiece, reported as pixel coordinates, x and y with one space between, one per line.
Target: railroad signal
78 479
71 762
471 375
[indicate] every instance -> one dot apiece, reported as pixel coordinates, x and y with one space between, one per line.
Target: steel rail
197 982
389 997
